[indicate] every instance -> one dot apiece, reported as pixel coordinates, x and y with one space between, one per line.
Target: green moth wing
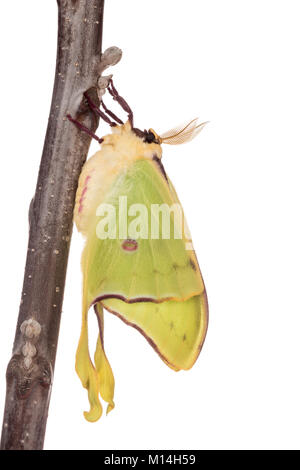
175 329
158 269
152 283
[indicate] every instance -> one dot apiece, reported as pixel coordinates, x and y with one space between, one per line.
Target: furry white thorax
118 150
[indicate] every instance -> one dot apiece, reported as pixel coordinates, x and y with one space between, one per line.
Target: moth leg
111 114
98 111
84 129
121 101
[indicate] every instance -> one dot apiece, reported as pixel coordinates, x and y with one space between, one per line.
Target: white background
235 63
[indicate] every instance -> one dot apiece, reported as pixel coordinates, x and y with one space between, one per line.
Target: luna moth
149 280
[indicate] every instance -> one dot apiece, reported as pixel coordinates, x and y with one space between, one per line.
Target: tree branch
30 370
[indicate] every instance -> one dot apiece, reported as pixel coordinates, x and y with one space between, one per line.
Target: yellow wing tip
94 414
109 408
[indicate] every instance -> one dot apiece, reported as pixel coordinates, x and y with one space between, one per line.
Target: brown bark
30 370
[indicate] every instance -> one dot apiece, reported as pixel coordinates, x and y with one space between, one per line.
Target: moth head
178 135
151 137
